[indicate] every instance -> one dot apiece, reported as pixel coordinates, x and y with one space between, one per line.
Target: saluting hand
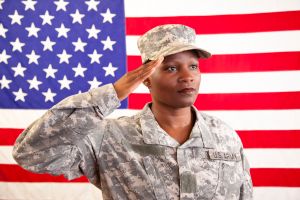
131 80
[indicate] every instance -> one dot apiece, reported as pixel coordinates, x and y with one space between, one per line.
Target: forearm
61 127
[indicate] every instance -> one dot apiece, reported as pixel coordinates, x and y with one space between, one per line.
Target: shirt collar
153 134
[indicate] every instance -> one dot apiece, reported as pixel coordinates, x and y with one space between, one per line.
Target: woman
167 151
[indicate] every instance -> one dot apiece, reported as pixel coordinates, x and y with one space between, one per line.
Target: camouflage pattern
168 39
132 157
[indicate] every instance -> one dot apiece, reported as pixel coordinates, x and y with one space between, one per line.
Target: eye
171 69
194 67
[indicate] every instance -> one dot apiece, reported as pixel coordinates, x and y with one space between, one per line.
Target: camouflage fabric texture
132 157
168 39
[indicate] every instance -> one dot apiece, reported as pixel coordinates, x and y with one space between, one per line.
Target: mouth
187 91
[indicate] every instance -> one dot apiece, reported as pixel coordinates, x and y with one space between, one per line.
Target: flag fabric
53 49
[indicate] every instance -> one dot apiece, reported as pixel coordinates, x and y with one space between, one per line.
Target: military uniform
132 157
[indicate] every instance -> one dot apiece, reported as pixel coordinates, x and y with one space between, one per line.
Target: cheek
157 80
197 78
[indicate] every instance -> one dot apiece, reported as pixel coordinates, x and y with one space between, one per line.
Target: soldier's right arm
56 143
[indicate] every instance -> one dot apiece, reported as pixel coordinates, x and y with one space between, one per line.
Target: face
175 83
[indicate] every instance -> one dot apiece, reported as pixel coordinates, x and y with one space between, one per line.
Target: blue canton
53 49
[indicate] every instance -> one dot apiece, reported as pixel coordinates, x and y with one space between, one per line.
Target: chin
183 104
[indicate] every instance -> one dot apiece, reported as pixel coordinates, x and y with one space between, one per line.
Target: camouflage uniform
132 157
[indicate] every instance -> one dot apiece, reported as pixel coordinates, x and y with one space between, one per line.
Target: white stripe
249 82
6 155
260 119
262 42
157 8
239 120
276 193
49 191
258 158
273 158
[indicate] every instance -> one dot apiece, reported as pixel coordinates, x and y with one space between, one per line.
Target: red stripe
261 177
270 138
250 139
241 62
8 136
241 23
283 177
239 101
14 173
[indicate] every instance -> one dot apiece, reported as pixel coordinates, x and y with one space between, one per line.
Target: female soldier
169 150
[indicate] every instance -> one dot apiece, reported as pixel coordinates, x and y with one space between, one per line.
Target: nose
186 76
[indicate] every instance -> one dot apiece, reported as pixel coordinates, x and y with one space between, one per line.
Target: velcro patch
228 156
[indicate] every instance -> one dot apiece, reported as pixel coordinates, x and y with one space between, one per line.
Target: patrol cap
168 39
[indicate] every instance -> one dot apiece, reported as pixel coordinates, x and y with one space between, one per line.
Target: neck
172 117
177 122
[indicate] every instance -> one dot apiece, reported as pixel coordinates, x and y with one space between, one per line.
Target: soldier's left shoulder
223 133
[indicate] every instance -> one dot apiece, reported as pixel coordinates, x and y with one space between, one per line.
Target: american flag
52 49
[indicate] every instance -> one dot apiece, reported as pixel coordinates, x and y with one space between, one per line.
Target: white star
32 30
48 44
47 18
61 5
94 83
107 17
50 72
95 57
110 70
3 31
64 57
34 83
17 45
77 17
4 57
62 31
29 4
108 44
49 95
33 58
92 5
1 2
93 32
19 70
65 83
79 45
79 70
16 18
20 95
5 82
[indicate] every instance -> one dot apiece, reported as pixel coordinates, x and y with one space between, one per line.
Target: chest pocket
230 174
134 181
216 173
140 176
206 172
155 179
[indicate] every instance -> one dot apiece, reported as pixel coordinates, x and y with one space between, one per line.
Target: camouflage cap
168 39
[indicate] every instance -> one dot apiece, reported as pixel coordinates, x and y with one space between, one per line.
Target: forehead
185 55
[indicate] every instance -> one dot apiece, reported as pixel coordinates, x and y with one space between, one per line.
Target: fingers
146 70
131 80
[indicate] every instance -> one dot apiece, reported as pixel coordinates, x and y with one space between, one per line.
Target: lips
188 90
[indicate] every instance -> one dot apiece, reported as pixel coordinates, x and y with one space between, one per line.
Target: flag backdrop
52 49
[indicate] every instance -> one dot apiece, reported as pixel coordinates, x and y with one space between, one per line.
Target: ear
147 83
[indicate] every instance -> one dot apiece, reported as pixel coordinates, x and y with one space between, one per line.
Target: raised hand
131 80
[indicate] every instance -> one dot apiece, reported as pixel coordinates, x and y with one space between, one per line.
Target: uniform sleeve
58 142
246 192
